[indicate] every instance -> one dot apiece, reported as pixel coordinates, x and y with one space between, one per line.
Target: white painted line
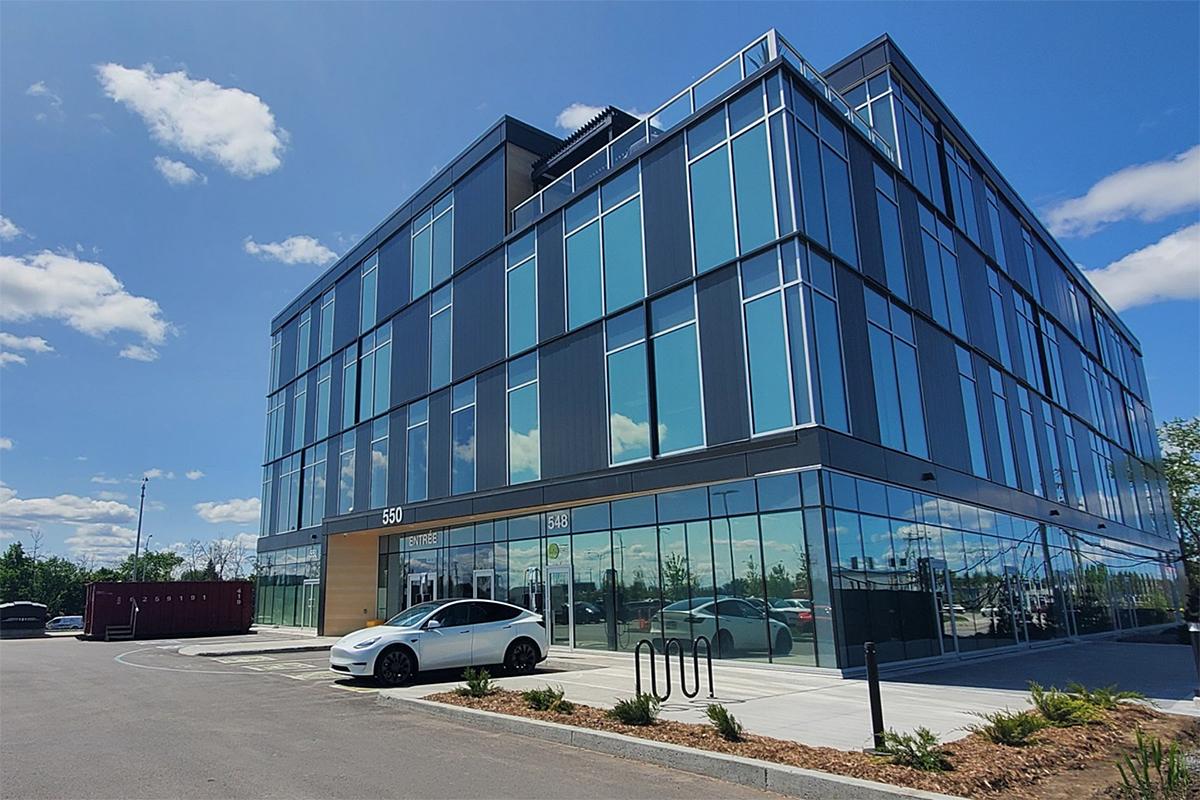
242 659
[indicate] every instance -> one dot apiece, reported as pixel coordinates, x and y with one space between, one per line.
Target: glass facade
720 279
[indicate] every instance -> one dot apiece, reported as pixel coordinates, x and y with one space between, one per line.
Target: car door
448 644
492 629
746 623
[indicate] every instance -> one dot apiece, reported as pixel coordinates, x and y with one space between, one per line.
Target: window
326 344
369 292
1031 264
303 335
1074 314
970 401
996 295
827 343
521 294
679 412
712 210
264 516
628 394
605 262
375 372
917 136
768 361
298 401
1054 370
889 229
1106 477
276 340
1000 405
1028 337
962 195
379 462
1095 399
417 473
433 245
324 386
808 162
288 499
1031 450
312 505
825 180
1056 487
993 210
1073 462
752 182
346 474
897 382
462 438
441 313
524 444
941 270
275 408
349 385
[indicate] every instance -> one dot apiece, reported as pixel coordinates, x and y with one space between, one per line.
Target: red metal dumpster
176 608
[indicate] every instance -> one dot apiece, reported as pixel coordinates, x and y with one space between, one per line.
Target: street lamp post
137 547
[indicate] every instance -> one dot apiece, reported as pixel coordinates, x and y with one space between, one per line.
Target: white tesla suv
443 634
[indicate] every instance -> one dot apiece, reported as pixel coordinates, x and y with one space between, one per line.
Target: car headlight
367 643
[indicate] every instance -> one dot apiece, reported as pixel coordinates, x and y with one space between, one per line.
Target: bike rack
637 667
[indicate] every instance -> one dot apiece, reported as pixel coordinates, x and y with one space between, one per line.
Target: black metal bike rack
637 667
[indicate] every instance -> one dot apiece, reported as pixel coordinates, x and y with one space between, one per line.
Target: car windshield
412 615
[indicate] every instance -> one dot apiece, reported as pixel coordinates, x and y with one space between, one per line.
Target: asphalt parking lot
139 720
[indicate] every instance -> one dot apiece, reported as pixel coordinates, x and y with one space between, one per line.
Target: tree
1180 443
155 566
16 574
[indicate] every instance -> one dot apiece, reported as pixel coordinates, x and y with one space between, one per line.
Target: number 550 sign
393 516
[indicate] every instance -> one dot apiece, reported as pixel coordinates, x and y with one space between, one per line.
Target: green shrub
548 699
725 723
478 683
1152 772
1061 709
1104 697
1010 728
641 709
919 750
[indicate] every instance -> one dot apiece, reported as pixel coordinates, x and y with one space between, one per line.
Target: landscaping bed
1058 763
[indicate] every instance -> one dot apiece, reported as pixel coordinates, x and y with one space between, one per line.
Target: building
787 364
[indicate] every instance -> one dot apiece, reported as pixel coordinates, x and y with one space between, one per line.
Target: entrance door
560 610
421 588
943 603
484 584
309 601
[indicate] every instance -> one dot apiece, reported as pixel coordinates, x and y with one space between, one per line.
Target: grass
477 683
726 724
1153 772
1009 728
1060 709
548 699
642 709
919 750
1104 697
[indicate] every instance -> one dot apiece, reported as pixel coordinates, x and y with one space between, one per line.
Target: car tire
725 648
521 658
783 644
395 666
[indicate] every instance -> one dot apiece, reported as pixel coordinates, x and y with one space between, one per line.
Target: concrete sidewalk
295 645
826 710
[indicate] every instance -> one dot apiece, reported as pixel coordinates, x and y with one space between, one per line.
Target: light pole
137 548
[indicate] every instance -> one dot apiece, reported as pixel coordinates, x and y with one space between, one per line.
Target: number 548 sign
393 516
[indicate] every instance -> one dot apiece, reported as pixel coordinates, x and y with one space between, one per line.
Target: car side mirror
433 623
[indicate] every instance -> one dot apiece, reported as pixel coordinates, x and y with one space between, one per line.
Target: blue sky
144 241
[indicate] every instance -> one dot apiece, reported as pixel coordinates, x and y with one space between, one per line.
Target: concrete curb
780 778
217 650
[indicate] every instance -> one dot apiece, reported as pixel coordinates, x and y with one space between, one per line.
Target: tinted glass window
712 210
492 612
455 616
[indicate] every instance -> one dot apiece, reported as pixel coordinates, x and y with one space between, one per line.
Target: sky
171 175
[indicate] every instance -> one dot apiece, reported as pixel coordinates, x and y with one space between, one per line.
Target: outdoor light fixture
927 476
1101 526
1054 512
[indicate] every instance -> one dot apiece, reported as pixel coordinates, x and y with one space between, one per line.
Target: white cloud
64 508
1169 269
104 479
235 510
292 250
232 127
155 473
39 89
104 542
1143 191
10 342
177 173
85 295
194 474
139 352
628 435
6 443
106 495
9 229
576 115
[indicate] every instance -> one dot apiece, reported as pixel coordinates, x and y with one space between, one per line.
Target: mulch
1060 763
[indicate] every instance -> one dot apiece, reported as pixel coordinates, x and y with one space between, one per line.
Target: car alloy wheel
394 668
522 657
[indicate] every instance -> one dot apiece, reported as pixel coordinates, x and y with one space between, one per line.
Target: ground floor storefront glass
288 589
798 568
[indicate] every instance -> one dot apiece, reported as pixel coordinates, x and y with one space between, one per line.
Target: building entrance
484 584
421 588
310 601
560 608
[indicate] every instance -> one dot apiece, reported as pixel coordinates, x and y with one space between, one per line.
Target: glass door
484 582
943 603
421 588
309 602
560 610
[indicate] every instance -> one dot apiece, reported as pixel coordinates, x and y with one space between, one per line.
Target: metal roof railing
747 61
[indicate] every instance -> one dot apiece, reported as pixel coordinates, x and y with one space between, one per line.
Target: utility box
146 610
